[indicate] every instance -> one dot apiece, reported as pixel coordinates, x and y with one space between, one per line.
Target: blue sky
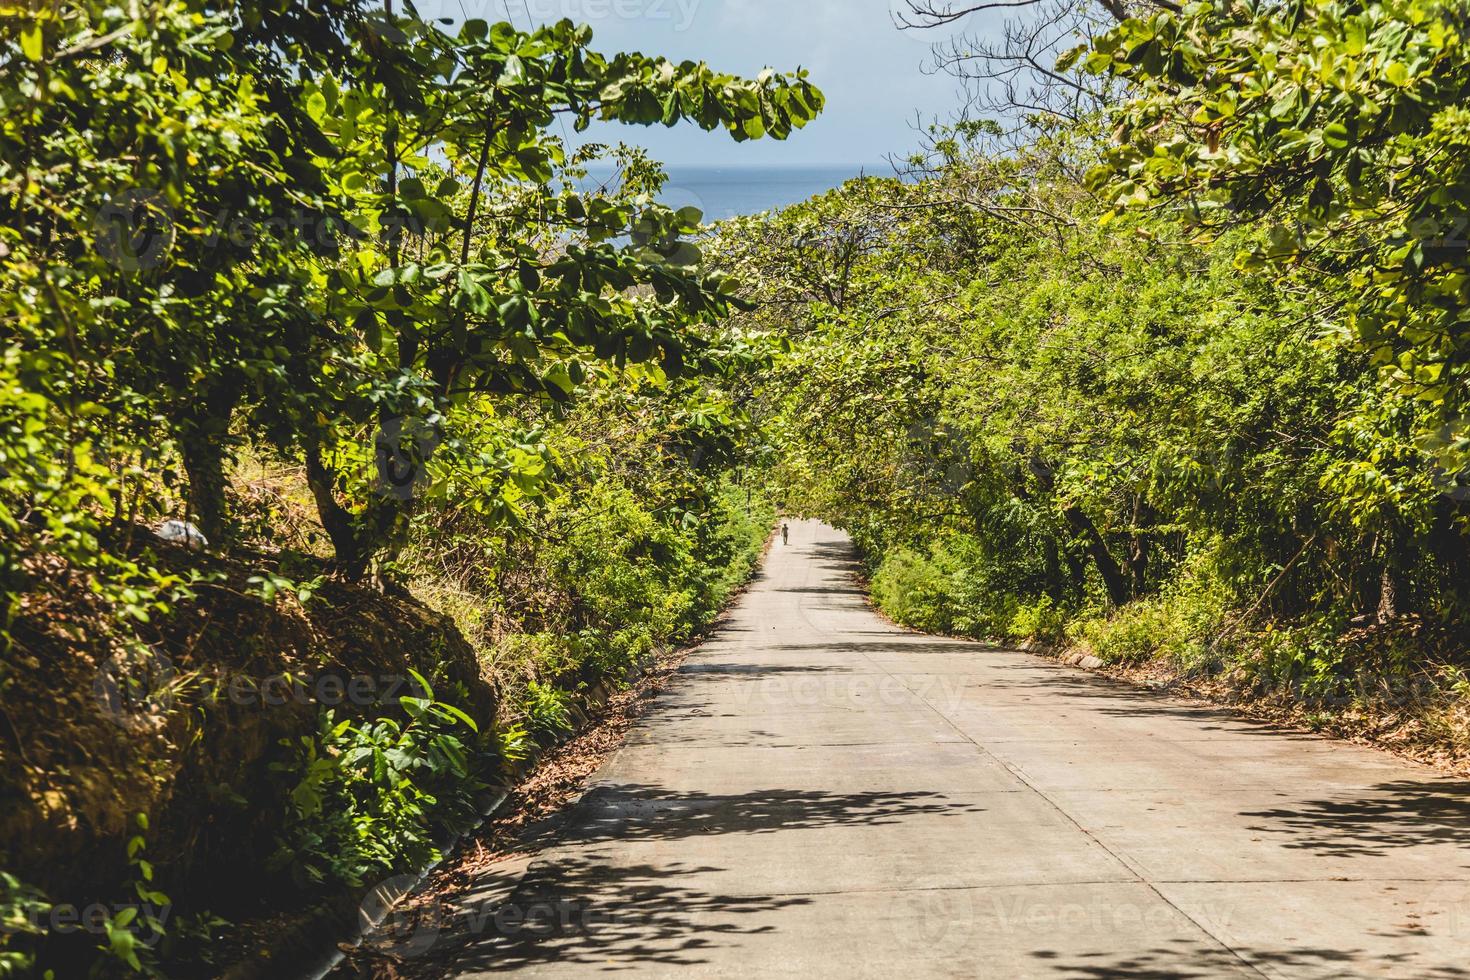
868 69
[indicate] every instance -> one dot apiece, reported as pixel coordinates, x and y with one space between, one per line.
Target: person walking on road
785 533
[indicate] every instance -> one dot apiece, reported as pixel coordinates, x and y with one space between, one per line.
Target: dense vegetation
1168 362
322 285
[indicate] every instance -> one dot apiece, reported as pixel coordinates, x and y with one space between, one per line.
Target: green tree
1340 122
231 224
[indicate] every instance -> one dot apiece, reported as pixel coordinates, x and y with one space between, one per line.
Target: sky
870 71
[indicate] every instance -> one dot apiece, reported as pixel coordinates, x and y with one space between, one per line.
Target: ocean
728 192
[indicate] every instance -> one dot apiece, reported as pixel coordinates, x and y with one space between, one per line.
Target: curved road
821 794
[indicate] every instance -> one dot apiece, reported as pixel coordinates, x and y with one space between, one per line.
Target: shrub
954 587
547 708
911 589
1039 620
370 798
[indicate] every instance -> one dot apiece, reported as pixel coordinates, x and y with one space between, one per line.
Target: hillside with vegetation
351 446
1168 365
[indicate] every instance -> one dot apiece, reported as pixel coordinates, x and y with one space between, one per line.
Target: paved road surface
820 794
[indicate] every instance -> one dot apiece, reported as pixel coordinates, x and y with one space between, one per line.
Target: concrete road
820 794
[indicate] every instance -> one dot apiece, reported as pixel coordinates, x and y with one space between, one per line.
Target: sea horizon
723 191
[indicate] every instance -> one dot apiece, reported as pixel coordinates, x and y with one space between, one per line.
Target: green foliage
1044 416
372 798
1187 624
129 931
1340 123
316 230
513 743
1038 620
133 931
949 589
612 578
22 909
547 708
912 591
637 540
1304 657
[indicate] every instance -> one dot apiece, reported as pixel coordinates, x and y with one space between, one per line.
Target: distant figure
785 533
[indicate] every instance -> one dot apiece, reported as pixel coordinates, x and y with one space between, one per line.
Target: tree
1010 70
302 227
1055 409
1341 122
143 153
452 302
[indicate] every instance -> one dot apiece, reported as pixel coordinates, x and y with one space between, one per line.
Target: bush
1181 625
1135 633
912 589
954 587
372 798
1039 620
547 708
611 579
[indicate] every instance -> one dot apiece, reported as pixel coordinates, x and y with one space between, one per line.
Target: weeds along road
819 793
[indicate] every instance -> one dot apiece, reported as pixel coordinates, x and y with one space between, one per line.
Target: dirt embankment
182 721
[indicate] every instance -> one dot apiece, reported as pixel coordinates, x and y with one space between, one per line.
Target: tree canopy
305 225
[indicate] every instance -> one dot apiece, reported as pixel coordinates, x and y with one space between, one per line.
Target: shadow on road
627 812
593 909
705 668
1386 817
1185 959
620 918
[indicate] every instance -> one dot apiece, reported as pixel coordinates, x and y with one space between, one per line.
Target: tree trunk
347 545
203 442
204 462
1051 555
1141 547
1077 571
1387 596
1138 560
1114 580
